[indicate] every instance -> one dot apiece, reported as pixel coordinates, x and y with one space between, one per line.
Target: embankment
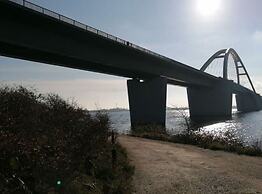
163 167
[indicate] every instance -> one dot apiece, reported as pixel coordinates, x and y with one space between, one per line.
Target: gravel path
163 167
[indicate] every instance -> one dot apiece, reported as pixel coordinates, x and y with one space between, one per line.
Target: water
247 127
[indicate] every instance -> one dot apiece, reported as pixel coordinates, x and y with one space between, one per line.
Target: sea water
245 126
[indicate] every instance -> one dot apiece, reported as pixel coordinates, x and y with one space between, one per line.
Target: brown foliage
43 139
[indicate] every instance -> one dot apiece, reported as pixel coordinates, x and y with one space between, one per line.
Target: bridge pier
147 101
247 102
208 104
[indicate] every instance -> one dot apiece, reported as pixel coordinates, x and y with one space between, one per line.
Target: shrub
47 144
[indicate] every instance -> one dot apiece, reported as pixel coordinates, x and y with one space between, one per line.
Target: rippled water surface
247 127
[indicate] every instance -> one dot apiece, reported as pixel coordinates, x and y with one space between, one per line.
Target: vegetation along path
163 167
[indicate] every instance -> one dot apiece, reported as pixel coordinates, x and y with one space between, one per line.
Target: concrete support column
208 104
247 102
147 101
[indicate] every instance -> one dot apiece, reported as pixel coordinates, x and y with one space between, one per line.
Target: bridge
33 33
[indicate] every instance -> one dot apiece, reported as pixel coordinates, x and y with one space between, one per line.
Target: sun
208 8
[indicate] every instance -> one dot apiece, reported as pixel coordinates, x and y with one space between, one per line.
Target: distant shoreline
126 109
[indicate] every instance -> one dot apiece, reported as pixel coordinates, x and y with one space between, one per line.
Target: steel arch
225 53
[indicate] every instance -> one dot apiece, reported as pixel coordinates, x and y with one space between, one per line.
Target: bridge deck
33 33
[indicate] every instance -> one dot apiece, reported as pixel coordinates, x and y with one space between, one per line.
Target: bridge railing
83 26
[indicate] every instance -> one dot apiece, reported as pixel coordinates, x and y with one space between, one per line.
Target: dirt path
163 167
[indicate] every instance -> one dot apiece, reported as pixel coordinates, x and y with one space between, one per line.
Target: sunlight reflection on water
247 127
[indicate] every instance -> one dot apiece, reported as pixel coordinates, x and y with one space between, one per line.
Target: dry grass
228 142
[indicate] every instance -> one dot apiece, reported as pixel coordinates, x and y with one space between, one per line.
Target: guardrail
83 26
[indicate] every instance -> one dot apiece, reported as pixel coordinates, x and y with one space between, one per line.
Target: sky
189 31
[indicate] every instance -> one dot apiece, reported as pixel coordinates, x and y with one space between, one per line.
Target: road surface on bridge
162 167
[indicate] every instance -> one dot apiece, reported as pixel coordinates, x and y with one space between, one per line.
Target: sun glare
208 7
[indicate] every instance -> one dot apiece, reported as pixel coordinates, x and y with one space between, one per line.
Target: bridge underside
30 35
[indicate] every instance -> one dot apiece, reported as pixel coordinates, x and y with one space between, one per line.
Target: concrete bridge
33 33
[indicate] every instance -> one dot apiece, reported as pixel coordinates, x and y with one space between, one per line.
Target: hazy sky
189 31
